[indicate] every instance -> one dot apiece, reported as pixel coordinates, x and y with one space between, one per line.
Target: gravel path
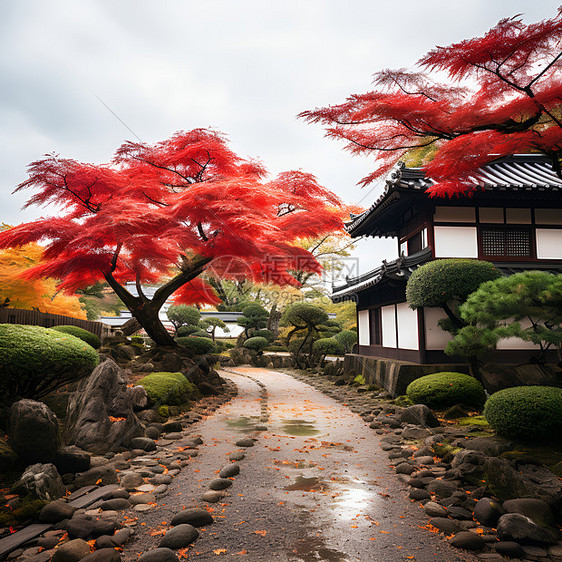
315 485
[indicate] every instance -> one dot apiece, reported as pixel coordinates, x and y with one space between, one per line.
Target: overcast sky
244 67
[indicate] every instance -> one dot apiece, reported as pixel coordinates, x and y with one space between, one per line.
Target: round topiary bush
441 281
256 344
526 412
267 334
196 345
77 332
442 390
34 361
327 346
347 339
184 331
171 389
201 334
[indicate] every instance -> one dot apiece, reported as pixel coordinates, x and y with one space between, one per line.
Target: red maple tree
169 211
502 97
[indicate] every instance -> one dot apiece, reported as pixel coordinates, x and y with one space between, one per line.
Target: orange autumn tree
166 213
40 294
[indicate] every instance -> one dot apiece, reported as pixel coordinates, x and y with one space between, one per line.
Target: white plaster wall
455 242
407 327
435 337
549 243
363 328
388 326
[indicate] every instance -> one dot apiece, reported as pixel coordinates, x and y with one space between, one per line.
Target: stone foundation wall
394 376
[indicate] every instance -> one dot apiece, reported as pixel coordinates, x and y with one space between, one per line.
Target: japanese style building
513 219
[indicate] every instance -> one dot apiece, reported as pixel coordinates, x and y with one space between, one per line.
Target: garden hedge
196 345
264 333
327 346
35 361
184 331
347 339
256 343
171 389
443 390
441 281
526 412
84 335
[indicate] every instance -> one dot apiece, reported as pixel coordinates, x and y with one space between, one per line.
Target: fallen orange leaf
262 533
218 551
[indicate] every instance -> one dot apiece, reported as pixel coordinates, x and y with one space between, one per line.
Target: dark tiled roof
403 267
520 172
399 269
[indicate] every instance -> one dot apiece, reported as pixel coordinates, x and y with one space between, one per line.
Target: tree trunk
148 317
146 311
131 326
273 321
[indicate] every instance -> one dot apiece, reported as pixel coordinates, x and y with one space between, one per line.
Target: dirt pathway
315 486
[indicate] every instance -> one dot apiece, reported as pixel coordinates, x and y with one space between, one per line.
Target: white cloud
246 67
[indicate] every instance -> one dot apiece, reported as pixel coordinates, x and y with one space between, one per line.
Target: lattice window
506 242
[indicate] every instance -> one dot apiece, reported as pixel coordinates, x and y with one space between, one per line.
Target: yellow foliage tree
17 292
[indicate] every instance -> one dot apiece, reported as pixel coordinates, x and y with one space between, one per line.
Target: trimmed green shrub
347 339
34 361
267 334
327 346
201 334
442 390
256 344
184 331
80 333
181 314
196 345
526 412
254 317
171 389
441 281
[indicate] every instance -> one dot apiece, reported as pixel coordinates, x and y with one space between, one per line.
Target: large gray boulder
419 414
42 481
517 527
497 376
469 466
33 431
505 481
100 416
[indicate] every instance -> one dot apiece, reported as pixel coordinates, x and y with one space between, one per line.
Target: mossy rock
27 511
164 411
7 457
479 421
35 361
359 380
526 412
443 390
168 389
80 333
403 400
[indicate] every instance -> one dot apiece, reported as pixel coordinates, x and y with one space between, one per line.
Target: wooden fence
36 318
